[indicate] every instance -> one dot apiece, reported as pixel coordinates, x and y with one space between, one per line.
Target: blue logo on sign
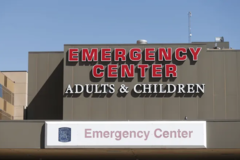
64 134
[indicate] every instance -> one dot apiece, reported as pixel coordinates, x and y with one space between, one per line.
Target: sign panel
154 64
140 134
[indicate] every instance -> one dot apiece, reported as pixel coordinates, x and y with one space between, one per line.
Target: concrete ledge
117 154
30 134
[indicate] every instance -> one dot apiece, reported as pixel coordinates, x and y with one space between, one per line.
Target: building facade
130 101
6 98
14 94
217 69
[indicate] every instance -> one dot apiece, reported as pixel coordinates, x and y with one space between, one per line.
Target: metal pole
189 28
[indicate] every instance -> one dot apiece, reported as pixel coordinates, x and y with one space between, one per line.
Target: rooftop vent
216 48
141 41
219 39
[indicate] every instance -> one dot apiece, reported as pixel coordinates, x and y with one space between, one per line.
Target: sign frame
200 128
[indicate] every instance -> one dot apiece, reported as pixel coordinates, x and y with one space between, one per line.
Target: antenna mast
189 27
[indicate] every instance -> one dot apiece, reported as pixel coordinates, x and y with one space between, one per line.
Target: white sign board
140 134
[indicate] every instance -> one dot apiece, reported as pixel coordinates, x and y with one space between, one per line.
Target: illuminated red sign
134 55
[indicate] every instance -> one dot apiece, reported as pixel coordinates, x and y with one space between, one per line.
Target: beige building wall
6 82
1 78
6 98
8 108
20 78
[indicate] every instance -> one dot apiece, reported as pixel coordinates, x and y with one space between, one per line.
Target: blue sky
46 25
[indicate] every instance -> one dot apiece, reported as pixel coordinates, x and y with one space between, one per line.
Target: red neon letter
163 54
142 68
156 70
86 56
112 71
126 71
149 54
106 54
178 56
95 71
135 54
73 55
120 53
195 53
171 69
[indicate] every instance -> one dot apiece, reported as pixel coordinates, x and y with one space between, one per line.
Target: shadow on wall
48 102
42 137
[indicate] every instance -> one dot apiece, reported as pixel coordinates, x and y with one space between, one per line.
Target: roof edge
15 71
207 120
212 42
32 52
128 44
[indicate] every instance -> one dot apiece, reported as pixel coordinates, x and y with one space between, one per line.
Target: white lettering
77 87
111 88
169 88
181 88
146 88
104 87
96 89
190 88
135 88
161 89
200 87
89 86
69 88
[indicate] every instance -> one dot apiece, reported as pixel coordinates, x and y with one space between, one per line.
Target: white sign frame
195 135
